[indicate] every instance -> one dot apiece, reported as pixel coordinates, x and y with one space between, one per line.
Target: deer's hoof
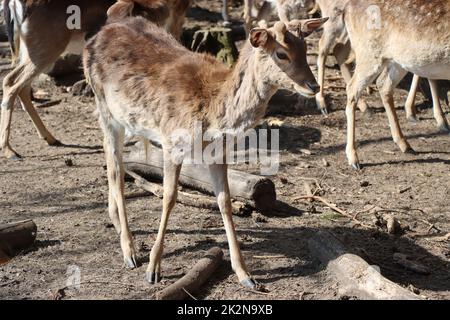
368 113
153 277
413 119
249 283
324 111
356 167
410 151
54 142
131 262
443 128
10 154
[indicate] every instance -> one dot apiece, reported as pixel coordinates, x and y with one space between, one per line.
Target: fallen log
189 199
355 275
17 236
194 279
256 191
4 258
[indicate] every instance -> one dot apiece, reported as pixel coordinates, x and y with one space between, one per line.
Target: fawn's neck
243 100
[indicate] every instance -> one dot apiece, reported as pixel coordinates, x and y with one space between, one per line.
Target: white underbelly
436 72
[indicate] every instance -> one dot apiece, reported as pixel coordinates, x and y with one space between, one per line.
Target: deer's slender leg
16 83
410 104
325 43
386 84
342 52
248 6
437 108
225 12
170 183
25 99
11 87
113 144
220 182
365 74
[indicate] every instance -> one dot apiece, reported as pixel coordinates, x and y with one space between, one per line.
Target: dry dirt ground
69 205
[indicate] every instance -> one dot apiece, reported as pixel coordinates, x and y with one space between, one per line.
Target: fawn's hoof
153 277
249 283
356 166
443 128
130 262
368 113
411 151
413 119
324 111
54 142
10 154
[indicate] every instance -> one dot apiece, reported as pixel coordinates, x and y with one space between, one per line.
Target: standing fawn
385 46
287 10
149 85
39 34
335 38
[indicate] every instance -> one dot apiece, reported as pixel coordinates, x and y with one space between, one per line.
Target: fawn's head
283 53
294 9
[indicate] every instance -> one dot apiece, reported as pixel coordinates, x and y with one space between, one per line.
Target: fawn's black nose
314 86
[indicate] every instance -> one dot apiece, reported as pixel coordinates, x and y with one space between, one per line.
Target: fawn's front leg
219 179
171 175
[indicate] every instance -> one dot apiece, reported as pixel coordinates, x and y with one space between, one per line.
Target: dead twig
48 104
334 208
269 257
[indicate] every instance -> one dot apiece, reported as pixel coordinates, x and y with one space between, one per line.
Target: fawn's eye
282 56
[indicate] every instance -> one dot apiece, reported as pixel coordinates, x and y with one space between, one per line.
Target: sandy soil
69 205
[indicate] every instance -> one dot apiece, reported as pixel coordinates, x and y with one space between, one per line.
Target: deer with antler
149 85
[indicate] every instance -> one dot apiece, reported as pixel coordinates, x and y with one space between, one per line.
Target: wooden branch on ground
256 191
334 208
189 199
355 275
194 279
15 237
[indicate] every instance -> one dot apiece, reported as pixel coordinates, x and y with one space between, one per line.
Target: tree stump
217 41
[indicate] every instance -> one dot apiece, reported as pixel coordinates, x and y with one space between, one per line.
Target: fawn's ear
120 10
259 37
308 26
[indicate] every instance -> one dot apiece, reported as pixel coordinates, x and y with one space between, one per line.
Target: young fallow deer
335 38
385 46
149 85
39 34
287 10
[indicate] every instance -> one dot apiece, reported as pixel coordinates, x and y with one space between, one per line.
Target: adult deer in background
423 50
39 34
286 9
146 83
335 39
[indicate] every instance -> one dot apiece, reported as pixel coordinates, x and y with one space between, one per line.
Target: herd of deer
146 83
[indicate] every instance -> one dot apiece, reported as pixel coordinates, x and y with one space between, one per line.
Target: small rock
68 162
392 224
306 152
364 184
